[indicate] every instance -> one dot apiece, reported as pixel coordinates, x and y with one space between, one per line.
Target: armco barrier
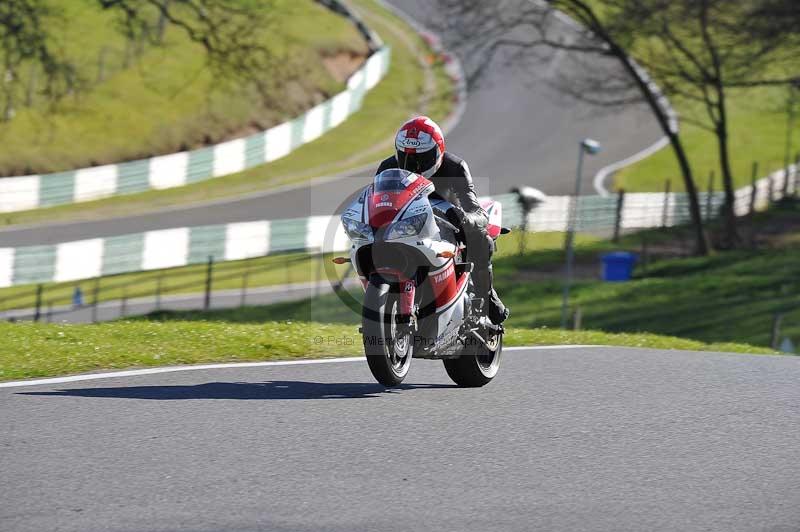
177 169
182 246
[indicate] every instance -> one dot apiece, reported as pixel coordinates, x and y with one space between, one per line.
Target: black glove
457 217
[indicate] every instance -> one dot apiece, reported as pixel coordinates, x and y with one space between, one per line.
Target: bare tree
695 50
699 50
520 30
232 33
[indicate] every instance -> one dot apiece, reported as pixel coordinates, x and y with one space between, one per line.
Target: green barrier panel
123 254
204 241
34 264
56 189
288 235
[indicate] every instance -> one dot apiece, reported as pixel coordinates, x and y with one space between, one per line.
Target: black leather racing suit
453 183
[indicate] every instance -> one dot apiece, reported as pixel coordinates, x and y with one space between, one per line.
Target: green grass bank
144 100
361 140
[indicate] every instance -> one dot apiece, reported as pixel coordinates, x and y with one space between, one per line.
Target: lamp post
591 147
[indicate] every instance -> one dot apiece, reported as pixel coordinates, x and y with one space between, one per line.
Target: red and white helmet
420 146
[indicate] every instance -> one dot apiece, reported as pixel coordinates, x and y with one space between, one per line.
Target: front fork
408 313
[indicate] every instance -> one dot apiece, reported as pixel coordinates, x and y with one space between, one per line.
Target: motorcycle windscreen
392 190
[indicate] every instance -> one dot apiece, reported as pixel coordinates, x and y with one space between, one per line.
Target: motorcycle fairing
495 211
356 210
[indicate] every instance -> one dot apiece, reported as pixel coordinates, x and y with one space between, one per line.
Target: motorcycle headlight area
356 230
409 227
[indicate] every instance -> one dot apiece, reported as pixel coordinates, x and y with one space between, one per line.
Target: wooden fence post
618 218
95 299
209 273
123 306
776 331
753 187
709 195
770 190
38 312
245 279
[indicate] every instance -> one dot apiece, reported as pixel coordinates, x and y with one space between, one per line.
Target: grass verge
38 350
364 138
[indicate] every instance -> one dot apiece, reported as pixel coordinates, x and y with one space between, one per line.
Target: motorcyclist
420 148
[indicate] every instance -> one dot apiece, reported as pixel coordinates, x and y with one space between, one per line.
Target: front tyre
478 365
387 344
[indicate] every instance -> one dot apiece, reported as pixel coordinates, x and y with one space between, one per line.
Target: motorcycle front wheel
478 365
388 350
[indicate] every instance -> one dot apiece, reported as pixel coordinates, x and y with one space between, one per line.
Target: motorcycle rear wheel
388 352
477 366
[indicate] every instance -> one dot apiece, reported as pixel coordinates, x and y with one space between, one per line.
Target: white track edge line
603 173
233 365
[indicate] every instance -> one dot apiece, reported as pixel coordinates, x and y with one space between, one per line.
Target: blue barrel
618 266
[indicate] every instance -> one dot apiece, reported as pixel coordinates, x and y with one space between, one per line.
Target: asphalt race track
579 439
516 130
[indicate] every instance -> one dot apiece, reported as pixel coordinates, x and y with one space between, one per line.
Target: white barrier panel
6 267
165 249
168 171
326 233
95 183
374 71
355 80
19 193
79 260
340 108
642 210
314 124
245 240
279 142
229 157
551 215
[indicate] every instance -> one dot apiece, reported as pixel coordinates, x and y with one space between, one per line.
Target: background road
516 130
578 439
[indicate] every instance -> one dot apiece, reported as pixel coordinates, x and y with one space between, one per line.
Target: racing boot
495 310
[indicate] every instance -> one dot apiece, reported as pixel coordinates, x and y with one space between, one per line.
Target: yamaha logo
385 197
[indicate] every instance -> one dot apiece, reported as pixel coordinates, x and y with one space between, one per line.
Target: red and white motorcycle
419 299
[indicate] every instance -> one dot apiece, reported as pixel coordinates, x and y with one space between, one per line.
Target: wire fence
210 285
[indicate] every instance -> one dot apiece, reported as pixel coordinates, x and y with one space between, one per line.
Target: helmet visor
417 162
